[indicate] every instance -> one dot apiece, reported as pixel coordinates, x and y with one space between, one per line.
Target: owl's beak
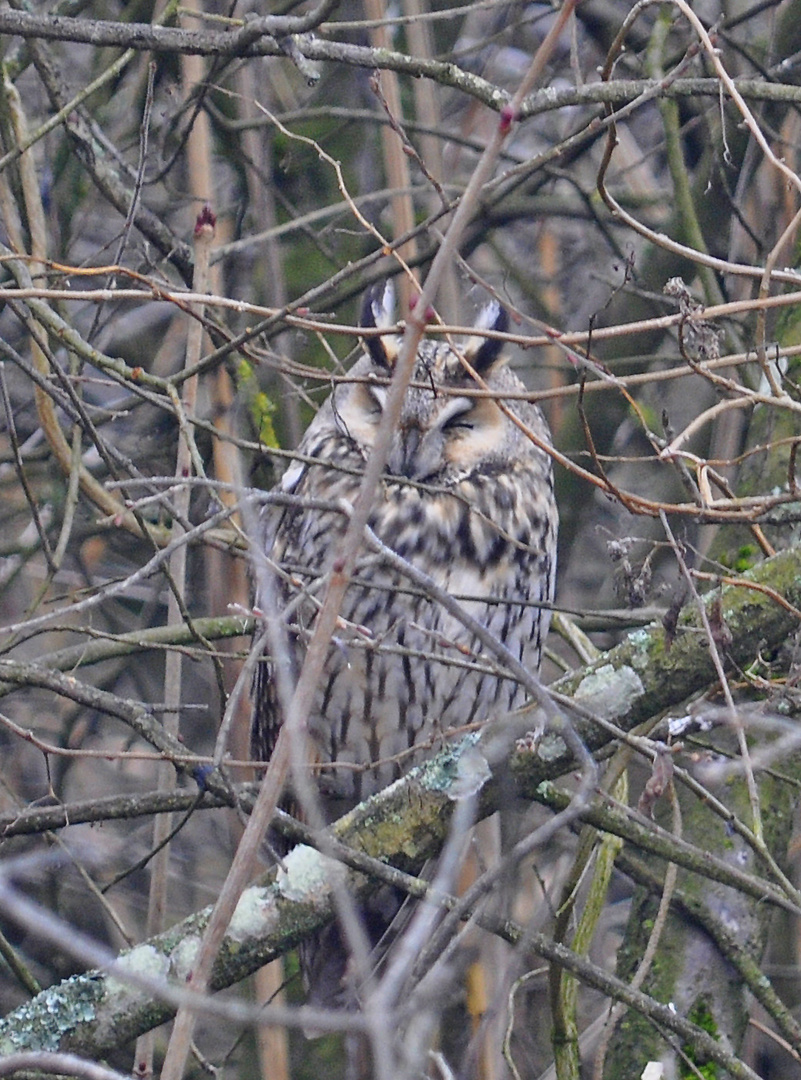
403 457
416 454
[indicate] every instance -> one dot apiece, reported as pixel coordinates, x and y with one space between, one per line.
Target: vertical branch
646 960
198 145
69 456
258 147
272 1042
691 232
727 435
24 274
734 716
428 113
396 163
159 867
34 213
790 177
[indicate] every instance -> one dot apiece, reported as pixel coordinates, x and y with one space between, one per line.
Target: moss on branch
408 823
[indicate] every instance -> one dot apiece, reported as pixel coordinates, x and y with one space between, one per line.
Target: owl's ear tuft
378 313
483 353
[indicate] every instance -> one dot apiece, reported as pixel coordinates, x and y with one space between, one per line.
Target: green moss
743 559
636 1040
788 323
702 1016
262 409
260 405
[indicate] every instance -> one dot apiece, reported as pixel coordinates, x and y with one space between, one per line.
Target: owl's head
446 430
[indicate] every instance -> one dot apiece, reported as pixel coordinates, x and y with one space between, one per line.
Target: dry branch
408 823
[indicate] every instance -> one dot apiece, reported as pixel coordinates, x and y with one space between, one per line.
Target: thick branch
266 36
94 1013
408 823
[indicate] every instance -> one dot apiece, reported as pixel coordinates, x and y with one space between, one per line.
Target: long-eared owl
467 497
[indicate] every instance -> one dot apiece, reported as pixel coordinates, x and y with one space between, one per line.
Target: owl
466 496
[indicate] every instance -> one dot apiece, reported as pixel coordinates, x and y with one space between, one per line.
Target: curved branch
408 823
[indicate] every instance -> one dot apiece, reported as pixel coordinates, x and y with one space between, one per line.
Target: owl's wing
269 597
297 541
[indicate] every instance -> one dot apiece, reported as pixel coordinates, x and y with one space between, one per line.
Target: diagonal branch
409 822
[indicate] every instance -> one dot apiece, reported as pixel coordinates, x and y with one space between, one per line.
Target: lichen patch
609 691
307 874
248 919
